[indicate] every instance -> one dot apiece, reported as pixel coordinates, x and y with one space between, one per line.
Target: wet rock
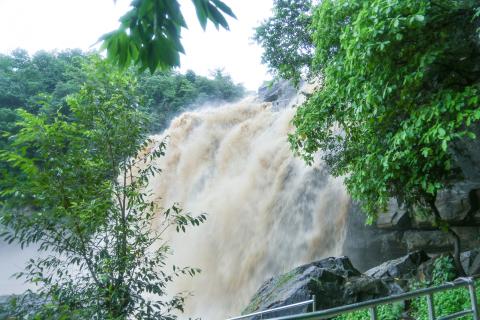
471 261
425 271
396 217
436 241
428 240
333 281
466 153
455 203
368 246
401 268
280 93
368 288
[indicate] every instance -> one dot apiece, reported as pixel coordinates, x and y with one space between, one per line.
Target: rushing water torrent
267 211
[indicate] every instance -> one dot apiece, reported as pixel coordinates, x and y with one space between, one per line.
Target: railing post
373 313
314 304
431 307
473 298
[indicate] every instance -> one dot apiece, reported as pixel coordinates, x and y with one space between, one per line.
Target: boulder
401 268
466 153
436 241
428 240
368 246
279 93
396 217
455 203
471 261
425 271
333 281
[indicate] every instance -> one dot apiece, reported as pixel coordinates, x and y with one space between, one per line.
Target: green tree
77 188
286 39
401 83
29 81
149 34
169 93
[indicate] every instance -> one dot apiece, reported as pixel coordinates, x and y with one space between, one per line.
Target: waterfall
267 211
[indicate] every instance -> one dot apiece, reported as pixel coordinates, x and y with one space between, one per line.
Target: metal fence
372 305
290 306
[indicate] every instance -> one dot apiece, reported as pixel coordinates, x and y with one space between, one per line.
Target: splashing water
267 211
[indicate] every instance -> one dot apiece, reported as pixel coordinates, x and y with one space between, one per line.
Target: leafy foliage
446 302
286 38
41 83
400 85
77 189
29 81
23 78
170 93
149 34
384 312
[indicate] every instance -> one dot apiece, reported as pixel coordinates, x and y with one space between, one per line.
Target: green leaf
202 12
222 6
444 145
419 18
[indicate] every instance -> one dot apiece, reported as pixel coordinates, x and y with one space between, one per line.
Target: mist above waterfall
267 211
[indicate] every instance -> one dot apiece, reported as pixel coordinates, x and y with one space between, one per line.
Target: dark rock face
368 246
471 262
397 232
456 203
280 93
336 282
396 217
403 267
467 155
333 281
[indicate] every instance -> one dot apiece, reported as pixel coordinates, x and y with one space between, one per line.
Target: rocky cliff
396 233
335 282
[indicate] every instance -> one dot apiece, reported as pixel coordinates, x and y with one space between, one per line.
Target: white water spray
267 211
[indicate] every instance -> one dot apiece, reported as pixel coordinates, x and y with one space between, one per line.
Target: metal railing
290 306
372 304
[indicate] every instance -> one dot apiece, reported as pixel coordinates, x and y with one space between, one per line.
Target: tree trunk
456 239
456 252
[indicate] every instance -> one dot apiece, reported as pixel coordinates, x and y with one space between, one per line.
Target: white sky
59 24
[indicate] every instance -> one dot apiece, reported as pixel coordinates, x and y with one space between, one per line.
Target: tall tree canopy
401 84
286 38
401 80
29 82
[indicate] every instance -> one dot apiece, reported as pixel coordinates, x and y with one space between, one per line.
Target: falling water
267 211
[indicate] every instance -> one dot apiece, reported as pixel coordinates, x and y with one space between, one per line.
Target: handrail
372 304
293 305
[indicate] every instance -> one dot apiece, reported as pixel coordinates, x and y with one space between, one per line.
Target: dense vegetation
400 84
446 302
29 82
75 185
71 124
286 39
73 166
169 93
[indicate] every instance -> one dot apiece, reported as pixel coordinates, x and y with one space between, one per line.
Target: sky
60 24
